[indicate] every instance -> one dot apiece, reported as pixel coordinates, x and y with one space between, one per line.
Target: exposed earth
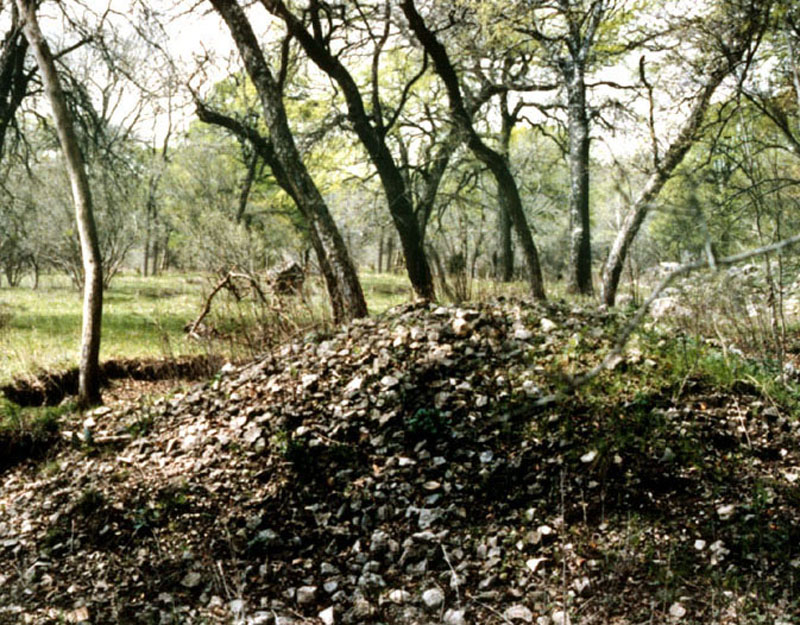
428 466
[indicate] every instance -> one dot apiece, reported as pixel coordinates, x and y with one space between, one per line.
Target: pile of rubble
388 473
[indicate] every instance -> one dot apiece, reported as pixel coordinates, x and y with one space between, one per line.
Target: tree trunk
146 247
89 370
342 281
505 252
247 185
390 254
372 136
580 250
380 251
641 206
509 192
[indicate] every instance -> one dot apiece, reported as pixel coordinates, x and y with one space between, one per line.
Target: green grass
385 290
142 318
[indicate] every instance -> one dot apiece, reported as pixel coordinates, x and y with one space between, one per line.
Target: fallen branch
207 305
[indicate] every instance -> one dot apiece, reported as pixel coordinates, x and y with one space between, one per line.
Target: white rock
699 544
399 596
589 456
547 325
252 434
454 617
388 381
545 530
327 616
461 327
677 611
534 563
518 612
191 579
522 334
433 598
236 606
726 511
354 385
306 595
308 379
559 617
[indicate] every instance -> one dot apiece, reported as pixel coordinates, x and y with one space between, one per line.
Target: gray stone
518 613
433 598
455 617
327 616
306 595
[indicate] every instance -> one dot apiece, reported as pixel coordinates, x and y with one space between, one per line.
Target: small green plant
427 423
143 424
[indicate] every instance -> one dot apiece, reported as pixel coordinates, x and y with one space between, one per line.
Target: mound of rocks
378 474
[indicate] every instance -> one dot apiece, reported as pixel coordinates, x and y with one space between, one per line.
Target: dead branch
226 280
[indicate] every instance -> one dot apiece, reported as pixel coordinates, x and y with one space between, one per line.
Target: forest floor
430 465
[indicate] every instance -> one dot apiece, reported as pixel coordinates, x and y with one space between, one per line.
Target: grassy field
141 318
145 318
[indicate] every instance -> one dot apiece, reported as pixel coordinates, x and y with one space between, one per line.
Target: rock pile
339 477
387 473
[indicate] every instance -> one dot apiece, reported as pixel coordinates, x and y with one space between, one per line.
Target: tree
568 35
735 30
89 367
344 288
14 77
506 183
372 127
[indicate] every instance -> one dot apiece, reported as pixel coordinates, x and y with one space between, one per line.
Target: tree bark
580 251
89 369
13 77
507 186
344 288
372 135
505 255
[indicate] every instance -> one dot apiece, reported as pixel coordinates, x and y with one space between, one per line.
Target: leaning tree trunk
641 206
89 372
369 128
303 188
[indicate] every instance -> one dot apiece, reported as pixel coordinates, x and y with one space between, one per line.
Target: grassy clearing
143 318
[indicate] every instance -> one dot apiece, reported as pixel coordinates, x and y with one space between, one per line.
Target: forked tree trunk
89 376
369 129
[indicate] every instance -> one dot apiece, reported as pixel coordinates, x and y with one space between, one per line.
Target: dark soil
51 388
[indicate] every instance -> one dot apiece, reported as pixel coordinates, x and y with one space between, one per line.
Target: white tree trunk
89 378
